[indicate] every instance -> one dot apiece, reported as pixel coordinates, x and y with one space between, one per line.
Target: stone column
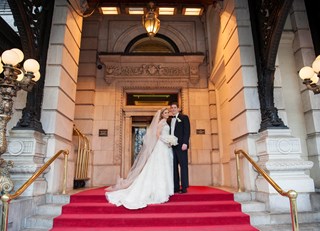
26 148
304 56
279 155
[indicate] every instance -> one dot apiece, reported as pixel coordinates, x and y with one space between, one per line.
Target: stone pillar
279 155
304 56
26 148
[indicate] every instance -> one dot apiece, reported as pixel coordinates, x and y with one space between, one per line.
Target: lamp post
310 76
14 78
150 21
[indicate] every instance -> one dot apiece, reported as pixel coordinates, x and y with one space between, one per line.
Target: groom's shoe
184 190
176 191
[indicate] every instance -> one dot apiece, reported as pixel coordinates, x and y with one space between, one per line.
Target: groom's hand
184 147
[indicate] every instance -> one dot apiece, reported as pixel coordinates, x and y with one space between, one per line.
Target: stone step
49 209
264 221
35 229
259 218
43 220
265 218
302 227
39 222
58 198
252 206
243 196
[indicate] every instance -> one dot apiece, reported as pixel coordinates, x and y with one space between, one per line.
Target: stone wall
100 100
234 103
60 90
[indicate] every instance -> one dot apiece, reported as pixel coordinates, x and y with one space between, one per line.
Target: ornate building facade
234 72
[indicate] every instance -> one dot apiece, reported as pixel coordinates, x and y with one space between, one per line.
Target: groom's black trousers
180 158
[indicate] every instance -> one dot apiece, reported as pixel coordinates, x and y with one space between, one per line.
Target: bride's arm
160 127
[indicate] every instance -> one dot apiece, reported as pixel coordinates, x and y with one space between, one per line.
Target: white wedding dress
154 184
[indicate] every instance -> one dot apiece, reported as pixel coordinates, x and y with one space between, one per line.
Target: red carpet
201 209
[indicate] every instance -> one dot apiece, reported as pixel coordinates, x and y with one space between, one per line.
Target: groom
180 127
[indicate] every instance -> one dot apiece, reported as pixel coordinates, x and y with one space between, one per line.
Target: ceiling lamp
192 11
166 10
110 10
135 10
150 20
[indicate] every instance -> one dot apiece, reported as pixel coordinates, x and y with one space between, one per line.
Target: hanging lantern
150 21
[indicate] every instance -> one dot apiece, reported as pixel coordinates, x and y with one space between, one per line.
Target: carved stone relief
118 67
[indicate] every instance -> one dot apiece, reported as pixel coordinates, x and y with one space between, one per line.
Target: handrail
6 198
291 194
82 160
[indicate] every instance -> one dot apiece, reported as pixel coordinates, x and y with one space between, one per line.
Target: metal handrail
6 198
291 194
82 162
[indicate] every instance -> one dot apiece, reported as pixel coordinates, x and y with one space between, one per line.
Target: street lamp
15 77
310 76
150 20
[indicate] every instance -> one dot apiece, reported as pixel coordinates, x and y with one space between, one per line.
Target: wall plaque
201 131
103 132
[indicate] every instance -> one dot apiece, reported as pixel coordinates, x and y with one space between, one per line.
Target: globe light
1 67
31 65
20 54
10 57
314 79
306 72
36 76
316 65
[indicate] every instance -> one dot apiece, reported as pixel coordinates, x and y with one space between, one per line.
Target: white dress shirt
173 123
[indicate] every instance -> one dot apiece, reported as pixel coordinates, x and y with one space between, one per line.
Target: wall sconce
310 76
150 20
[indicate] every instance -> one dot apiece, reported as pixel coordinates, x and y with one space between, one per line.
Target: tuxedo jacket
182 129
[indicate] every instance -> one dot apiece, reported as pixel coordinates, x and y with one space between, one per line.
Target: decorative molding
15 148
284 165
28 169
146 70
284 145
122 86
128 30
132 67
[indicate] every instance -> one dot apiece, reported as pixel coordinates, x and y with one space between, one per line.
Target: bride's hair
162 111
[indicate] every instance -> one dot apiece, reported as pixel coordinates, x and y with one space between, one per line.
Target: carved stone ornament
147 70
173 67
6 184
286 165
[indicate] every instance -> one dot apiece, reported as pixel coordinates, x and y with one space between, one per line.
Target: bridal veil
149 142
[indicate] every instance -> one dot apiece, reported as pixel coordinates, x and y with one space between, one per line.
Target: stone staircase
43 218
264 221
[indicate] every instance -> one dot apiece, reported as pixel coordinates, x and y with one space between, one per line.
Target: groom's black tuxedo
180 157
182 129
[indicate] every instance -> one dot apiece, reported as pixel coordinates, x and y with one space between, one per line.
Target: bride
150 180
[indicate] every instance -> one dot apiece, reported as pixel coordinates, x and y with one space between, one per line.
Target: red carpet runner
201 209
